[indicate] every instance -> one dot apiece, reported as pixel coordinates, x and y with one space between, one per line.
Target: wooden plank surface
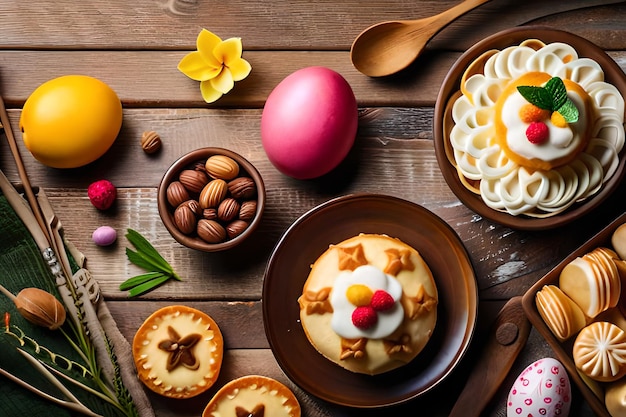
267 25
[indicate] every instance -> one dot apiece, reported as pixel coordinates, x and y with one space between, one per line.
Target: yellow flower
217 64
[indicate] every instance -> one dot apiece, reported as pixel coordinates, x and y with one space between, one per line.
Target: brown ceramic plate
563 350
333 222
451 85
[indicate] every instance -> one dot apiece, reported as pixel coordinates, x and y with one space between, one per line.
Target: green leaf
538 96
557 90
147 286
569 111
146 249
148 258
140 279
144 262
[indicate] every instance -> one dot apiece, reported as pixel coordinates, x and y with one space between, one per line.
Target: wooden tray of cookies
593 391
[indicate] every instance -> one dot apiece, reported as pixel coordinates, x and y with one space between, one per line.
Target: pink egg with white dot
542 389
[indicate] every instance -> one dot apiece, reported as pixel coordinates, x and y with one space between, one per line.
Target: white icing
561 140
375 279
508 186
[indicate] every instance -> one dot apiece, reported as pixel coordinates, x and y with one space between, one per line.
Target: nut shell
40 307
222 167
194 205
213 193
247 210
176 194
228 209
193 180
242 188
210 213
235 228
211 231
185 219
150 142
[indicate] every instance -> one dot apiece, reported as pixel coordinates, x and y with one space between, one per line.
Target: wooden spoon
388 47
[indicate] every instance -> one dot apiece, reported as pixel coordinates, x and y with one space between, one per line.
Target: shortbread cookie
600 351
618 241
369 304
178 351
592 281
253 396
562 315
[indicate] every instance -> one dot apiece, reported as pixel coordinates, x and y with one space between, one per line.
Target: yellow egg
359 295
70 121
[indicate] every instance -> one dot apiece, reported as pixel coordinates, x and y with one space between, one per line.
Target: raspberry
530 113
102 194
382 300
537 132
364 317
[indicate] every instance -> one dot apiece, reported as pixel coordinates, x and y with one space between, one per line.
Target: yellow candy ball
70 121
359 295
558 120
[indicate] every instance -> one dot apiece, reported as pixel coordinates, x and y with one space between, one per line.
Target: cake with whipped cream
535 128
369 304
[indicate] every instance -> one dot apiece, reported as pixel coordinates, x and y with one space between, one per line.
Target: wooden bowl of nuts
211 199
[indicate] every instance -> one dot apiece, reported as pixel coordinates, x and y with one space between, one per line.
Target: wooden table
135 47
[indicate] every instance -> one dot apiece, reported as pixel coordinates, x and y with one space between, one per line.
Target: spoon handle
444 18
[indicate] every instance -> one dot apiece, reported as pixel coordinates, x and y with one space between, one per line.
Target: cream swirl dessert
366 303
369 304
525 157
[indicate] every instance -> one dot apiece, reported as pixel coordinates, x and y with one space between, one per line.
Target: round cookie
618 240
178 351
600 351
253 396
560 313
369 304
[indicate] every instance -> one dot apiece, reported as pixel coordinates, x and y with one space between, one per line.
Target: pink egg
309 122
542 389
104 236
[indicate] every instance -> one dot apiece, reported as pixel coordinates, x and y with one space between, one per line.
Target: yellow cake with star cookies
369 304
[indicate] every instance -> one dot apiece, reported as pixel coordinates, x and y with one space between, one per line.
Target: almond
194 205
242 188
150 142
222 167
176 193
211 231
247 210
228 209
193 180
185 219
213 193
235 228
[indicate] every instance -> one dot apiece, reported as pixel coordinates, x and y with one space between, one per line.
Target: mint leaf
557 90
569 111
552 97
538 96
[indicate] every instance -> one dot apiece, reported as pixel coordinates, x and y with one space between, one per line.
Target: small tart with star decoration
178 351
253 396
369 304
